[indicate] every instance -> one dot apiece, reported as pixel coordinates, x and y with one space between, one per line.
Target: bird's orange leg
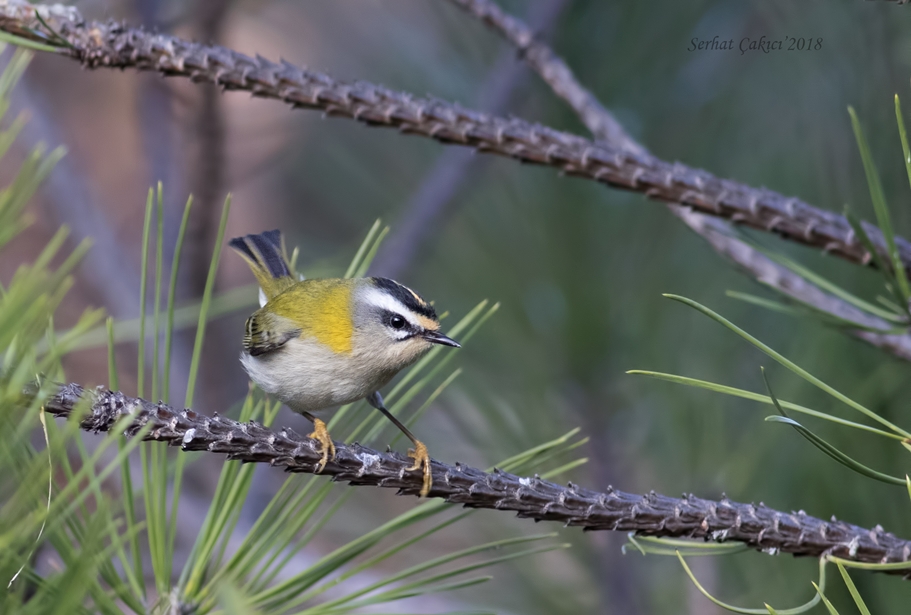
418 453
321 435
421 460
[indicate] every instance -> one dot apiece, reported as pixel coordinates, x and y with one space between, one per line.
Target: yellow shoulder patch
322 310
332 323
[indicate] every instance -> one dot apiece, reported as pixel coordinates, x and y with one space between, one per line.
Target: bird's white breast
308 376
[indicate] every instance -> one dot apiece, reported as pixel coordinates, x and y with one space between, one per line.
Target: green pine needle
765 610
877 195
861 606
791 365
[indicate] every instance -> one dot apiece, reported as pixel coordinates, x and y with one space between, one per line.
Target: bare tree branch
716 231
757 526
96 44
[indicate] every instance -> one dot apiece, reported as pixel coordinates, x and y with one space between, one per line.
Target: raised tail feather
265 253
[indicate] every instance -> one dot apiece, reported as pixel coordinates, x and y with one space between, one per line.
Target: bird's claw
421 460
327 446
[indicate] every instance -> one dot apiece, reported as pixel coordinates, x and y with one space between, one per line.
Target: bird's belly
308 376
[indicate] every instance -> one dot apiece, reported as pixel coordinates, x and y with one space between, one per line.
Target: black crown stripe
406 296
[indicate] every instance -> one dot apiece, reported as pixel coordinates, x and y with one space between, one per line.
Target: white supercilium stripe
383 300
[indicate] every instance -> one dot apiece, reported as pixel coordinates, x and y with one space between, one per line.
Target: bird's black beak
435 337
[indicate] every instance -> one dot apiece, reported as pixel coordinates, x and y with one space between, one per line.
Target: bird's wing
266 332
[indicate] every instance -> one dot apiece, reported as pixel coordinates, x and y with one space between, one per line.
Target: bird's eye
397 322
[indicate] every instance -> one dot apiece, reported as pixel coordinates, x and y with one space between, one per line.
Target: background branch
433 199
107 268
209 163
757 526
768 272
718 232
554 71
155 120
113 45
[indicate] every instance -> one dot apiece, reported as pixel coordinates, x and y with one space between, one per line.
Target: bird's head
393 324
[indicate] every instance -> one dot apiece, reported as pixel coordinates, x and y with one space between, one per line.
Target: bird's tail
265 253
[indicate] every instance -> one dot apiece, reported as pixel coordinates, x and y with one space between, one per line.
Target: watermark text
762 44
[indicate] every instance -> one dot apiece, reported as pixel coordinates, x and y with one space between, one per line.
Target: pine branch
718 232
96 44
758 526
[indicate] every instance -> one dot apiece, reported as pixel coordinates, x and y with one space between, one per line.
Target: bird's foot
321 435
421 460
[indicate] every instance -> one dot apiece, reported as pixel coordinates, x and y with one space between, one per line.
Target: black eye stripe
397 322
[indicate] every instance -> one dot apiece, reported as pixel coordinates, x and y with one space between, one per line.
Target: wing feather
265 332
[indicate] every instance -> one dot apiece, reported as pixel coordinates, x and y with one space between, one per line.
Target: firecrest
321 343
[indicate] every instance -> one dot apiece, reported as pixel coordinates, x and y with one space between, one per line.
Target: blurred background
578 268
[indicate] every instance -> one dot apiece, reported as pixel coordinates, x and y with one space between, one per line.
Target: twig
716 231
96 44
758 526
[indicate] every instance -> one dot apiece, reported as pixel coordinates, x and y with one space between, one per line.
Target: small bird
322 343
